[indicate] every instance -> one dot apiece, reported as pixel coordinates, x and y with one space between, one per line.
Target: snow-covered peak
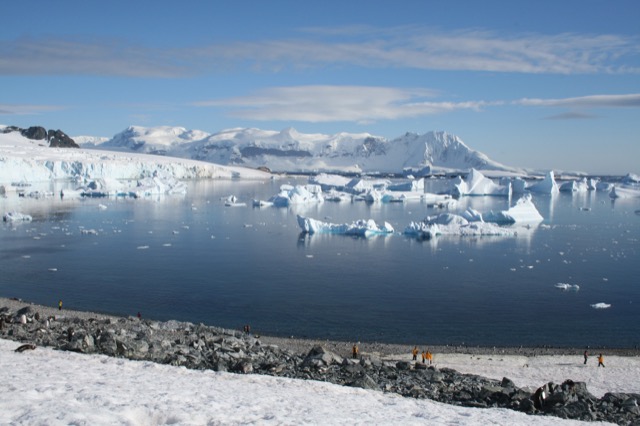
289 150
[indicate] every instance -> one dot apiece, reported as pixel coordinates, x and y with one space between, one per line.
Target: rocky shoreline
382 367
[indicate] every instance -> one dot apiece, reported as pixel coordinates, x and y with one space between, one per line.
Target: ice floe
601 305
363 228
14 217
565 286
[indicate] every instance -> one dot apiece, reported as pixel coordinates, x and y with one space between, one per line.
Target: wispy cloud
571 116
361 104
360 46
88 56
366 104
592 101
17 109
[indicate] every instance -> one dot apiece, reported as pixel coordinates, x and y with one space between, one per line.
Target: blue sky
544 84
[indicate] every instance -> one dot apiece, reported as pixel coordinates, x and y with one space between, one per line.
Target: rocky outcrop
59 139
204 347
56 138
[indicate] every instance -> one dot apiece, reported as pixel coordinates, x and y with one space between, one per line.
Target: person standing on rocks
429 357
586 355
424 356
600 361
354 351
60 304
414 352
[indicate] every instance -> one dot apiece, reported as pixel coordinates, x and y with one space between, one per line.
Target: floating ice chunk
262 203
329 181
565 286
16 217
524 211
89 232
143 247
575 186
601 305
337 196
232 201
299 194
624 192
477 184
53 269
547 186
102 207
363 228
451 224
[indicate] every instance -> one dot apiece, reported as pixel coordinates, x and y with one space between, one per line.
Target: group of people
427 356
600 359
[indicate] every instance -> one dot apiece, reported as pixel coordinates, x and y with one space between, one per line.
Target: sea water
191 258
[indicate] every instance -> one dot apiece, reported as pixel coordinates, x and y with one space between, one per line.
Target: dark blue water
190 258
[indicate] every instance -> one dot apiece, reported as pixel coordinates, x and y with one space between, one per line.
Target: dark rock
35 133
58 139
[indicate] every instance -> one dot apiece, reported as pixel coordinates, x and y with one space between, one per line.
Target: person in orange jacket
414 352
354 351
429 357
424 356
600 361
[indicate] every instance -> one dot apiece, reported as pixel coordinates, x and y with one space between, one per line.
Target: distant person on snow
600 361
414 352
586 355
429 357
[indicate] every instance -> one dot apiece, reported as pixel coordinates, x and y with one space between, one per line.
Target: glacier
25 160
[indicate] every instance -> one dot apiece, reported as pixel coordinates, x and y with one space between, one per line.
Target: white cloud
362 104
394 47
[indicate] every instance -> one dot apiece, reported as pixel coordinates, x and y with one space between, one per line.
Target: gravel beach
387 351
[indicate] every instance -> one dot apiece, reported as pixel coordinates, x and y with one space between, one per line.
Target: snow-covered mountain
291 151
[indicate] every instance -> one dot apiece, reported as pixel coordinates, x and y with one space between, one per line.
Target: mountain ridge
288 150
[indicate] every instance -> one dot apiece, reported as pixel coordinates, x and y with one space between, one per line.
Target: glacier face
291 151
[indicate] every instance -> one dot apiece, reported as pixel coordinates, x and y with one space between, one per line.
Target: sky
75 388
542 85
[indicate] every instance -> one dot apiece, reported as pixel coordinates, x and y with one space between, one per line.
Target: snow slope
50 387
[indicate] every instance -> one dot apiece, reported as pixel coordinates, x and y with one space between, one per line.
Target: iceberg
415 185
575 186
448 224
329 181
604 186
601 305
524 211
16 217
624 192
477 184
363 228
299 194
547 186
